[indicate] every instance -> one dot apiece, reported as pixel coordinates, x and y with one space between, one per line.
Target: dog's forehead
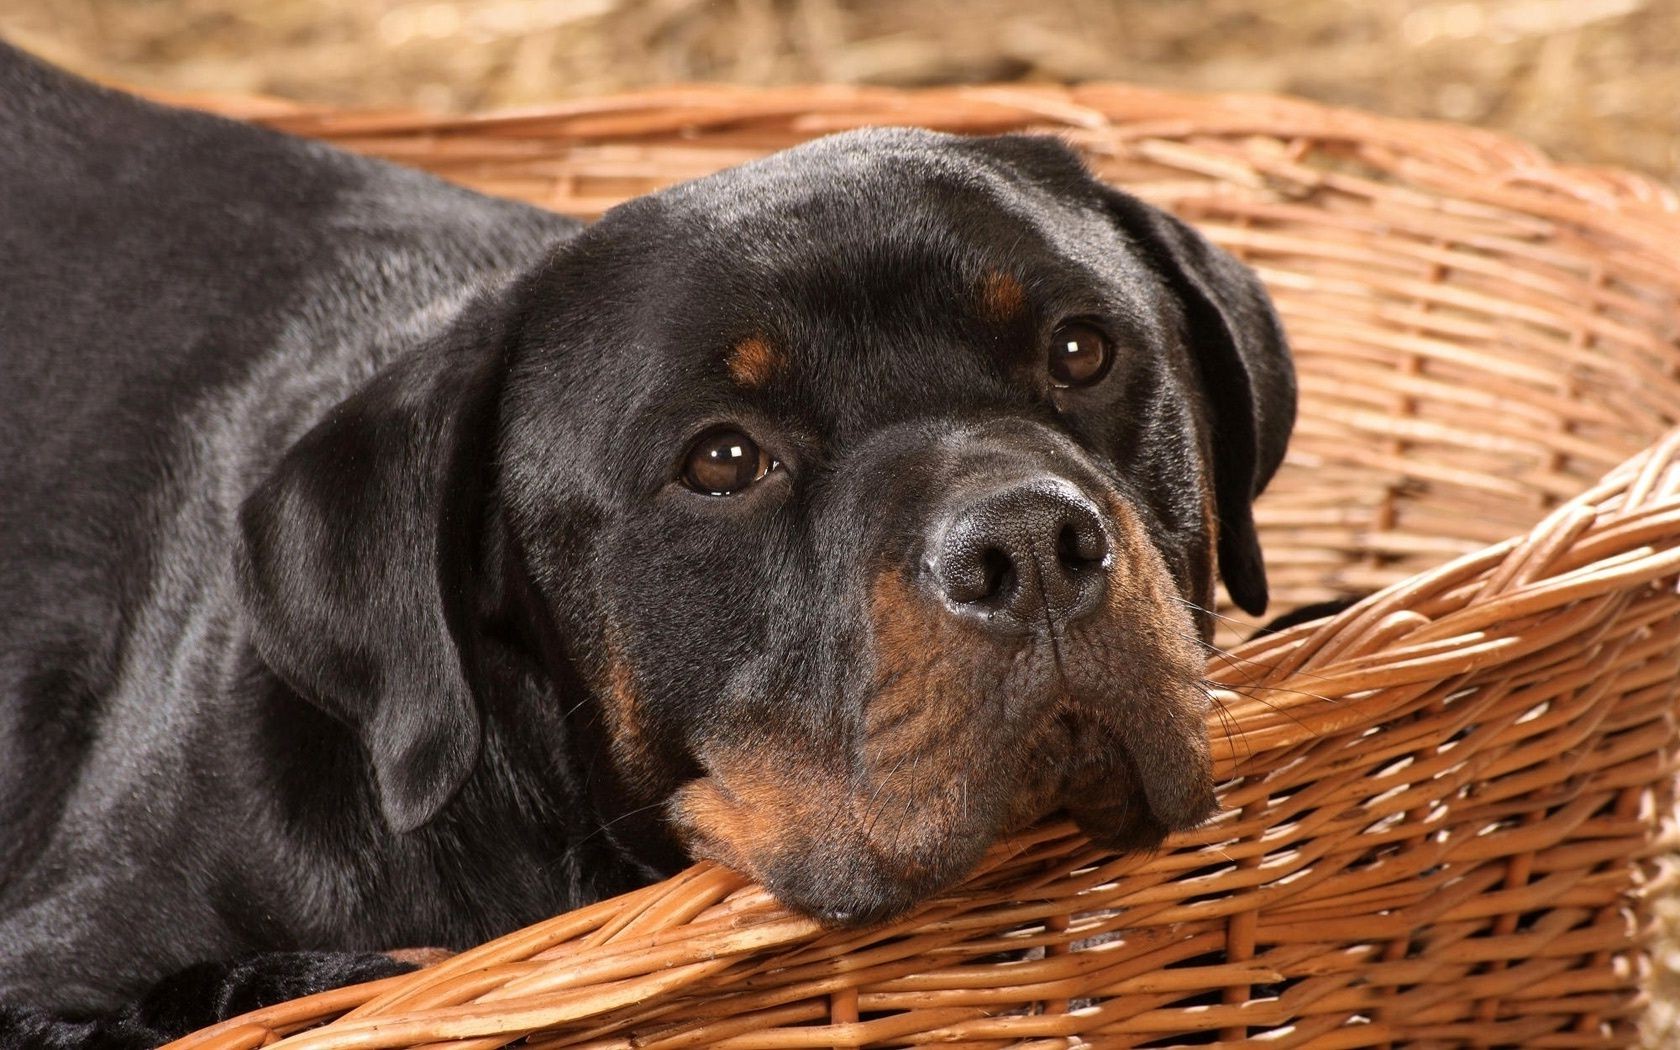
885 186
862 218
849 172
864 276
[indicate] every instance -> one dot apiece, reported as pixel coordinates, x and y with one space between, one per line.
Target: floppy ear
357 556
1245 371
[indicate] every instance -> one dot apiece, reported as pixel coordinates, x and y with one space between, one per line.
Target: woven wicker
1437 803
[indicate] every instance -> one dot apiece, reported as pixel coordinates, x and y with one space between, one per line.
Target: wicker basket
1437 803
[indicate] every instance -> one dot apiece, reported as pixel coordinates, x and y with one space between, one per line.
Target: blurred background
1594 81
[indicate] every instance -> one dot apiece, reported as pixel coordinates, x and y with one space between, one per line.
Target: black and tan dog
385 565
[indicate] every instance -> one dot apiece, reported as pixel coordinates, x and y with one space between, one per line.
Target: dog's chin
849 889
850 884
830 854
1123 827
854 856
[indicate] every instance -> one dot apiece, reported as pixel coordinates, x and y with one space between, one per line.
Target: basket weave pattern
1435 803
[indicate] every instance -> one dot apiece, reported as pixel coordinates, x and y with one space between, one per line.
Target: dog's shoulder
116 186
183 295
152 255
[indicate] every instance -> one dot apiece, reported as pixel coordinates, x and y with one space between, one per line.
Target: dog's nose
1025 555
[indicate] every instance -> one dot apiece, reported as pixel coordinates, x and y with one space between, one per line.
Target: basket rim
1075 105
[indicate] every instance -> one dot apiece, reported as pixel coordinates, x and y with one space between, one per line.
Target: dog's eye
1079 355
725 461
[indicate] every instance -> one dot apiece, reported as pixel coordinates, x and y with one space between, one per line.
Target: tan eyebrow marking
753 361
1001 297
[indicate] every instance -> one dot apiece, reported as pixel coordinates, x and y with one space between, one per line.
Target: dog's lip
850 870
833 860
1177 798
872 888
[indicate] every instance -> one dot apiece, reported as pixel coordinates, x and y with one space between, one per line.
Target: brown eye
1079 355
725 461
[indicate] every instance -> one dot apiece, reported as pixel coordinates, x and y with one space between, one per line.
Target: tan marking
753 362
1160 715
1142 596
626 728
744 816
1001 297
900 813
1205 562
948 758
925 682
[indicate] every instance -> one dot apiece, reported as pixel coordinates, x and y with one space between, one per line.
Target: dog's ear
357 556
1235 341
1245 372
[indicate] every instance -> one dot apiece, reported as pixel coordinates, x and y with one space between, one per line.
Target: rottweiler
386 565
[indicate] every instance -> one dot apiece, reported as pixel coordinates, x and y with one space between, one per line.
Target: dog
385 565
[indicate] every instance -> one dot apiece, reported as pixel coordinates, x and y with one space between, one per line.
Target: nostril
973 573
997 573
1081 545
1022 555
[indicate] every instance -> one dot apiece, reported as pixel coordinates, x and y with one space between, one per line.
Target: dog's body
184 298
355 592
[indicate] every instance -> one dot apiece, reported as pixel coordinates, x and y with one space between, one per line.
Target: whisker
1244 687
915 792
1234 661
621 816
1232 620
1228 722
875 795
1235 623
1253 683
1273 707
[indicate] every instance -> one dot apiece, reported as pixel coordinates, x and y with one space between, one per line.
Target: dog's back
180 297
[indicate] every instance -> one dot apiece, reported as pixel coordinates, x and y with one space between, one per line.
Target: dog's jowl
385 566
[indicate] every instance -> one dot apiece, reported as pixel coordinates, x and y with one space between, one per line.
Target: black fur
338 505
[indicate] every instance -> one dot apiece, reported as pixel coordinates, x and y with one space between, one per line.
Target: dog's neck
535 844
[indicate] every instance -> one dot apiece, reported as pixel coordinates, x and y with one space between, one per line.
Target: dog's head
872 492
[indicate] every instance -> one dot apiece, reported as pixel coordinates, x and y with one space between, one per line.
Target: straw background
1589 80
